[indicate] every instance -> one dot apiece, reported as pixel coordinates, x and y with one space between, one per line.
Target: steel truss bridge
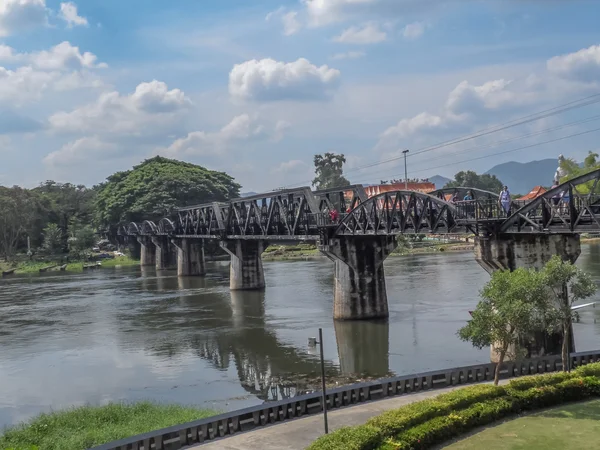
303 215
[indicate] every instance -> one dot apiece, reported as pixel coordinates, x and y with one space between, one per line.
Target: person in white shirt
504 200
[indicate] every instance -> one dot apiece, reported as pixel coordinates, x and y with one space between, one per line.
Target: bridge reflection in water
266 367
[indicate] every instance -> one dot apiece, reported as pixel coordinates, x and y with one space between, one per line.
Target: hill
522 177
439 181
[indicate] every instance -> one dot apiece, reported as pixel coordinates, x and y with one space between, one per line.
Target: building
533 194
419 186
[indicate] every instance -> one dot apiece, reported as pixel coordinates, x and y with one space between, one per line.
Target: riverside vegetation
87 426
427 423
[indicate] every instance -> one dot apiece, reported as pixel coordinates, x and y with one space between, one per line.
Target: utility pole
405 171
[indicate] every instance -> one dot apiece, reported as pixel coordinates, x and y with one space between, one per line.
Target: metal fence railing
224 425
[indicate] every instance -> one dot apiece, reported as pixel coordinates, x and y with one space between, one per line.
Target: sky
256 89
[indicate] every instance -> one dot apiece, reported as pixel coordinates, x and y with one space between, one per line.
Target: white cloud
289 19
270 80
19 15
151 108
583 65
63 56
368 33
413 30
241 128
348 55
68 12
79 151
23 84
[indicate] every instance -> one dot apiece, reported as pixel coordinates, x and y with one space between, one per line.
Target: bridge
366 230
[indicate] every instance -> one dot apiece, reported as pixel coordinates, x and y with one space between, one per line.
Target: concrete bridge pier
147 251
134 247
359 284
165 258
190 257
246 269
513 251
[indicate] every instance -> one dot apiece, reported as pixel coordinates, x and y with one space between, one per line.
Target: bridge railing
224 425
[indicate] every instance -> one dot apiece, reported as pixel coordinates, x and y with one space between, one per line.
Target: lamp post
405 171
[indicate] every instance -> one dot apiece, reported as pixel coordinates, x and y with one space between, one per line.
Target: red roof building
535 193
419 186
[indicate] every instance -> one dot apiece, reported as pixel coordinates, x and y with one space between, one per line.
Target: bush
422 424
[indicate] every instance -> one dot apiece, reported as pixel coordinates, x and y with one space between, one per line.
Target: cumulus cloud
63 56
24 84
241 128
68 12
413 30
151 107
19 15
270 80
583 65
368 33
291 167
79 151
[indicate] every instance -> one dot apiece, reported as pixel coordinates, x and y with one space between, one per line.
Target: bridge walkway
298 434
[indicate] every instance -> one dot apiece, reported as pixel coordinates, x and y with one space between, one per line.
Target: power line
503 152
585 101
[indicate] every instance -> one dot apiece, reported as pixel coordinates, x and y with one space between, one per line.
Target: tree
157 186
470 179
566 284
513 305
329 171
18 209
53 238
573 170
83 239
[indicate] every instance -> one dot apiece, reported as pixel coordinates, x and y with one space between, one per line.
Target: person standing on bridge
504 200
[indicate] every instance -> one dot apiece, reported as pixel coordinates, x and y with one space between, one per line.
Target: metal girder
399 212
572 207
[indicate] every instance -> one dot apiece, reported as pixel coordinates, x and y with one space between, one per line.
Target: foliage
469 178
53 238
154 188
573 170
427 423
513 304
566 284
65 204
18 209
329 171
87 426
83 239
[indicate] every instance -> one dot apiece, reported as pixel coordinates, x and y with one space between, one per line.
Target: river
132 334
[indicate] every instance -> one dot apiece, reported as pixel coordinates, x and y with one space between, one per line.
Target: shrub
363 437
589 370
419 425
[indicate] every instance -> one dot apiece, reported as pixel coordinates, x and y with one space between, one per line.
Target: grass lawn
87 426
575 426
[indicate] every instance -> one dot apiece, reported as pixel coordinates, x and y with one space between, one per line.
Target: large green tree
471 179
573 170
329 171
566 284
513 304
157 186
19 211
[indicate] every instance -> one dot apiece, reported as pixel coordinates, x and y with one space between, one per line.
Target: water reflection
363 347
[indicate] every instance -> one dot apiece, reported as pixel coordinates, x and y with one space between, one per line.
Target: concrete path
298 434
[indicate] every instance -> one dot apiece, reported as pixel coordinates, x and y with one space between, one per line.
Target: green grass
77 266
87 426
574 426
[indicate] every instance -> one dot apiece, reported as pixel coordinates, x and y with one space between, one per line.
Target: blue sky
257 88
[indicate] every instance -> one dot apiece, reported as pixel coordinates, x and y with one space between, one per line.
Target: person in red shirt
334 215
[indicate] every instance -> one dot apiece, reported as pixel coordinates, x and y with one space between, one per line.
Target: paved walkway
298 434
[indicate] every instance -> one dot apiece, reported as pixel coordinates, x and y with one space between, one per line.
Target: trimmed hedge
422 424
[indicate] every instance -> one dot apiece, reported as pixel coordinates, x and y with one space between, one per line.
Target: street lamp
405 172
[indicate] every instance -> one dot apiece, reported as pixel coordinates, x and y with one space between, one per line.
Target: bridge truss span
572 207
399 212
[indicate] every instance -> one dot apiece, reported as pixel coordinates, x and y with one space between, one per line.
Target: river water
132 334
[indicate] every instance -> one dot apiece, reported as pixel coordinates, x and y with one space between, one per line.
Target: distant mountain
247 194
522 177
439 181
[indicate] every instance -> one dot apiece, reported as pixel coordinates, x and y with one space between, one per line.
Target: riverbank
26 267
306 251
88 426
